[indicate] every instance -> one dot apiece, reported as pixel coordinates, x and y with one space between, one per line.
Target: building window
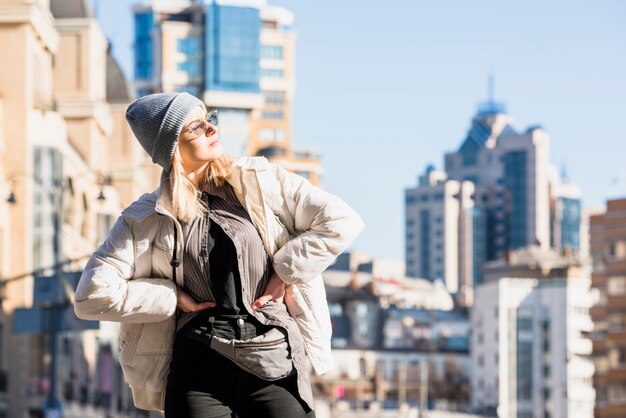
618 249
424 198
189 46
143 92
274 97
274 135
273 52
425 241
409 200
616 393
272 73
524 357
335 309
193 90
616 286
144 22
272 115
570 223
190 67
516 176
305 174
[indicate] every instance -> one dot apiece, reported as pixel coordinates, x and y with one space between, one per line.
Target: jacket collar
163 203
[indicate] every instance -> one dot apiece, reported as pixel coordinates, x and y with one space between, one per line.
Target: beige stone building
67 166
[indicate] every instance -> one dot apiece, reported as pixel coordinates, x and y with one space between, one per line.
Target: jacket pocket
157 337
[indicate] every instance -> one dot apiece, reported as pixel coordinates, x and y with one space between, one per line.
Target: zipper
261 344
205 197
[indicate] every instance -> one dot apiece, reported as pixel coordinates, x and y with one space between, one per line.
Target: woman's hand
187 304
275 291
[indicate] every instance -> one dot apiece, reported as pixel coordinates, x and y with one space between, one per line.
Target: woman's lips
214 143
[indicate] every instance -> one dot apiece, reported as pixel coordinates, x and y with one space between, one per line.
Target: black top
222 250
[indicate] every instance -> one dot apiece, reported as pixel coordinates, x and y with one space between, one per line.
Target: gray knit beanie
156 121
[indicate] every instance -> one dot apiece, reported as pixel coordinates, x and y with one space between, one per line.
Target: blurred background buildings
511 300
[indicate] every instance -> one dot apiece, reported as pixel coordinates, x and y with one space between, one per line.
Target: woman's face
197 149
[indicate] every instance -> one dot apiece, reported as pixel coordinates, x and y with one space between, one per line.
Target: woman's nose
210 130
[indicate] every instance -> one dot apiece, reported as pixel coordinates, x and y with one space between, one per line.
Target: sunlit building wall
530 351
439 230
58 197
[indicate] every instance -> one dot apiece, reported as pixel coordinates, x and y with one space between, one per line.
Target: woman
228 333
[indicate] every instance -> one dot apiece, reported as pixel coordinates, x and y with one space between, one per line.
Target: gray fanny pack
266 355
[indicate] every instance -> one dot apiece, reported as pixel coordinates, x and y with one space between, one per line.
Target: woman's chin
216 152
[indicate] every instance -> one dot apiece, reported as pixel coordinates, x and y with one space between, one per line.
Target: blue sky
384 88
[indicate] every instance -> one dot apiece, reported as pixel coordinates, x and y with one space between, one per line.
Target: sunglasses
201 126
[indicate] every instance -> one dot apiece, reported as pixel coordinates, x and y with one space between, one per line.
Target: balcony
616 374
610 411
597 312
616 303
617 335
581 346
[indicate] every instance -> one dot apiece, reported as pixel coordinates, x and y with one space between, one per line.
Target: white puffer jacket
129 278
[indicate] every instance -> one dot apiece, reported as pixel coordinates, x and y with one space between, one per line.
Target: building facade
396 341
439 222
608 251
530 349
238 56
496 194
57 132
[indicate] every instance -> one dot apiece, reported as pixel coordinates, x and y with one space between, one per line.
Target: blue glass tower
144 23
233 49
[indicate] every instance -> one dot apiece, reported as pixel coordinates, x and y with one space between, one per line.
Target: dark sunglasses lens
212 119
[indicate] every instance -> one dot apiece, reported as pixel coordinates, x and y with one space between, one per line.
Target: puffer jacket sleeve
325 226
106 291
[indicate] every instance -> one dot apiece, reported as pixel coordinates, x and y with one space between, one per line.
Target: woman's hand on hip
275 291
187 304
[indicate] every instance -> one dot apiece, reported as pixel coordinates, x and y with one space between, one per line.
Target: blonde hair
185 202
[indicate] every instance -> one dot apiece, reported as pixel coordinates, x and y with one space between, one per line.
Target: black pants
204 384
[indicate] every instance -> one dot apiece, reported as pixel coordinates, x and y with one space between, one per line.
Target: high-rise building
530 346
495 195
439 221
238 56
510 172
608 251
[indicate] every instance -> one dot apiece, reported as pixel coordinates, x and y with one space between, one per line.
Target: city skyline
555 65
